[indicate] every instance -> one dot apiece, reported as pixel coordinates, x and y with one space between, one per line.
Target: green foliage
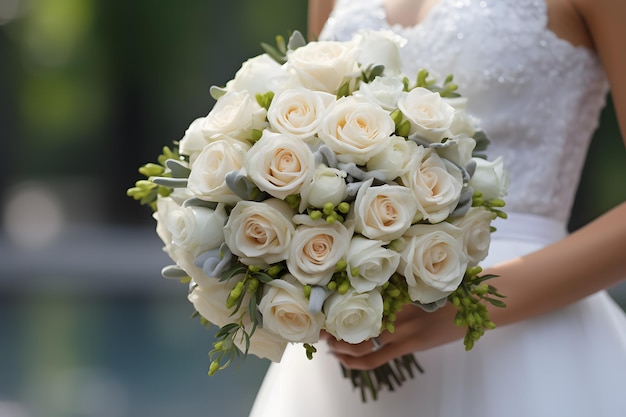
146 191
470 300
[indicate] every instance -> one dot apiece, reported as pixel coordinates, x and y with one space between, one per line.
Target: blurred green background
89 91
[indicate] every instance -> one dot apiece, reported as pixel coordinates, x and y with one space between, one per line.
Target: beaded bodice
537 96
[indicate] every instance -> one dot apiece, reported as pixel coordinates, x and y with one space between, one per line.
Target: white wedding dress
539 99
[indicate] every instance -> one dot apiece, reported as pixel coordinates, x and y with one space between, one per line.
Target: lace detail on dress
538 96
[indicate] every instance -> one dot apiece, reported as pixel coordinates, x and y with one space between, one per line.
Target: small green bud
496 202
482 289
256 135
274 270
315 214
354 271
344 287
475 270
332 285
328 209
343 207
396 116
394 292
253 268
331 219
218 345
151 170
404 128
341 265
307 291
145 184
253 285
214 367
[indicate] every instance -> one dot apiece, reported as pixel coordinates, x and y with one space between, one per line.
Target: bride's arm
318 13
591 259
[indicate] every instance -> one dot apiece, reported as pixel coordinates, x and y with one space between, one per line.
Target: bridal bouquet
324 191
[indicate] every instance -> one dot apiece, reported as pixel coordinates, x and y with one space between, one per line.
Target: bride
536 73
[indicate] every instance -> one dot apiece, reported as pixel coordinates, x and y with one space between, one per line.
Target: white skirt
569 363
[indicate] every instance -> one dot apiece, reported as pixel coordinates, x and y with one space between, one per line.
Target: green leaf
274 53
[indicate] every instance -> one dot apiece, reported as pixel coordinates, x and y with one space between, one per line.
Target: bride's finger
377 358
339 347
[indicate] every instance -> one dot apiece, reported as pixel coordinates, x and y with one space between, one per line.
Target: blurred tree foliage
93 89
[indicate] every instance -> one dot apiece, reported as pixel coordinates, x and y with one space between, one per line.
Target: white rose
370 264
394 160
490 178
208 171
165 207
298 112
328 185
194 140
316 248
259 75
476 233
356 129
433 261
430 116
380 47
462 123
323 65
196 229
280 165
285 311
260 232
209 300
263 344
382 91
354 317
235 114
384 212
436 183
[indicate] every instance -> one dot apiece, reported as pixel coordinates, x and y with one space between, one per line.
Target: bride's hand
415 330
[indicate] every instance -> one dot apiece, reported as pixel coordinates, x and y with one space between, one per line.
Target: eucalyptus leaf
215 262
296 40
316 299
217 92
198 202
170 182
241 185
173 272
482 141
325 155
178 168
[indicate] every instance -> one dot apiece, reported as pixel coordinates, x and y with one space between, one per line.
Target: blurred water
116 356
89 328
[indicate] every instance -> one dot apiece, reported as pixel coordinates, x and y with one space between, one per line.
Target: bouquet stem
391 375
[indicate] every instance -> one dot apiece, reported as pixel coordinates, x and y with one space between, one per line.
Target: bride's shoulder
318 12
604 21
